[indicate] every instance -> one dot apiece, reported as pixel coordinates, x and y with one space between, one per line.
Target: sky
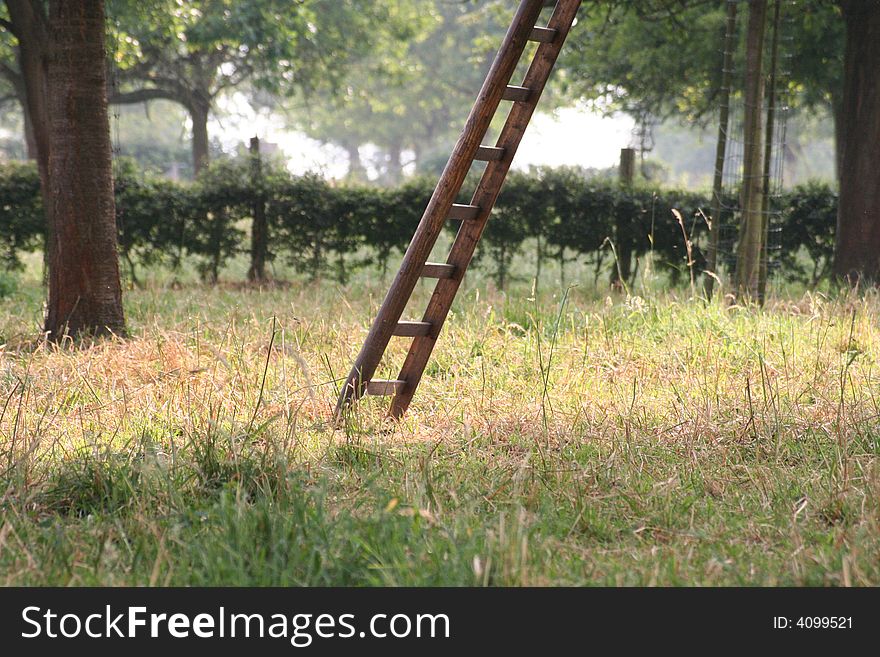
569 136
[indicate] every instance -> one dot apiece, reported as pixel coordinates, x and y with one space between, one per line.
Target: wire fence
775 110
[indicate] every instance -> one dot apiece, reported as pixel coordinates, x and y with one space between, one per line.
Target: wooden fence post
259 228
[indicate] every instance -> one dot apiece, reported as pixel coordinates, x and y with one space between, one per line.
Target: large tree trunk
857 248
198 113
750 248
85 296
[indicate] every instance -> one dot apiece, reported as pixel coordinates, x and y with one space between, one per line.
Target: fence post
627 167
259 228
622 223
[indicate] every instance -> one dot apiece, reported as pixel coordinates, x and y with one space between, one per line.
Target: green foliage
327 230
411 95
192 52
630 56
21 211
153 135
8 283
223 196
811 218
521 211
150 217
395 221
304 214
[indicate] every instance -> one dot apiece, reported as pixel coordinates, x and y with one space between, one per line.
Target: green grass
557 439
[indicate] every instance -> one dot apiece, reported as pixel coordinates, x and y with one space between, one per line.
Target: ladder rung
547 41
406 329
517 94
464 212
383 387
543 35
489 153
438 270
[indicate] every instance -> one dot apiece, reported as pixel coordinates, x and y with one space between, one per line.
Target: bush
810 218
323 229
8 283
21 212
150 217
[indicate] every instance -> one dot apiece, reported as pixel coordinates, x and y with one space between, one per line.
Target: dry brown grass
664 441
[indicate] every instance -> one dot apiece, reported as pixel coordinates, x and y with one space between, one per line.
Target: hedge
323 229
21 212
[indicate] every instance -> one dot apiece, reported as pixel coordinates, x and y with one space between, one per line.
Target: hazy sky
570 136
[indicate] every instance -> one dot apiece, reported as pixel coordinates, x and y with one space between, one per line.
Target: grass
559 438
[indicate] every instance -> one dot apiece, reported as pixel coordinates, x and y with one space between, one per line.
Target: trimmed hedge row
21 212
322 229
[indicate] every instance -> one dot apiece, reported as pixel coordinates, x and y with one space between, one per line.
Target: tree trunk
198 113
357 173
395 167
857 248
750 247
30 138
259 228
18 84
721 147
539 258
33 58
85 295
768 156
839 123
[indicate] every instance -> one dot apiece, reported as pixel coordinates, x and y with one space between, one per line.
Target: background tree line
392 69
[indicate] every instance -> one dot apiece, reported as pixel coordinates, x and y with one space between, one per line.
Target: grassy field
559 438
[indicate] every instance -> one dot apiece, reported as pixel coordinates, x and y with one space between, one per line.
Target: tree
767 177
750 247
721 147
259 224
410 96
12 84
628 56
28 23
62 61
857 248
663 58
155 135
85 295
191 53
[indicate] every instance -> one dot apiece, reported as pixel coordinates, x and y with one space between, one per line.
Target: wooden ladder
473 217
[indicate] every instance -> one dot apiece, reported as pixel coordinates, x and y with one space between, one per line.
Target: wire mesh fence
775 110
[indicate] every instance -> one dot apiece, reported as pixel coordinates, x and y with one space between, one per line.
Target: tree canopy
192 52
413 97
663 58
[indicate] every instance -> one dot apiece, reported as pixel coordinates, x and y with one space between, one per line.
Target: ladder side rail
485 196
436 213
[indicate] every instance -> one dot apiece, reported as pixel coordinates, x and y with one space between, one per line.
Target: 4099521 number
813 623
824 622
